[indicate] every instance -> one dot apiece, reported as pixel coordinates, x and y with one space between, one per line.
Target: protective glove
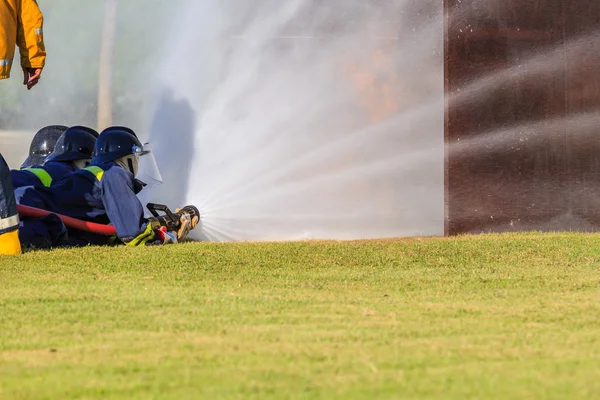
165 237
187 224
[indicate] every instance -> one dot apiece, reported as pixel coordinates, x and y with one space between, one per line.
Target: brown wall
523 114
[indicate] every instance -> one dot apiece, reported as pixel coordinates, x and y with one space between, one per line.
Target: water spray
311 120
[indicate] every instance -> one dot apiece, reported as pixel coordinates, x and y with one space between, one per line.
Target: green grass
502 316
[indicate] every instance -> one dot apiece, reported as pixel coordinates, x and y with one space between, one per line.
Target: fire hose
170 220
107 230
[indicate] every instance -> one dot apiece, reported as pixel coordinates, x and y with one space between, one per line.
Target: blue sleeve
22 178
123 208
58 170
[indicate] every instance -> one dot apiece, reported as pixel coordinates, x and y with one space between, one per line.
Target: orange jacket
21 24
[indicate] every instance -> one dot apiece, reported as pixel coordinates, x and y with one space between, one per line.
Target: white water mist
308 120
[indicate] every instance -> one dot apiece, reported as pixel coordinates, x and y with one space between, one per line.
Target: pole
106 65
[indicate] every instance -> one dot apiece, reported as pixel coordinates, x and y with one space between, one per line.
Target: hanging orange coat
21 24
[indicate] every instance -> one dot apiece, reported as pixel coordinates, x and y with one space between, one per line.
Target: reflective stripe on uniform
9 222
42 175
97 171
39 31
4 62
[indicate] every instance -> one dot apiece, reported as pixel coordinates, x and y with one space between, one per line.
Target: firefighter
21 24
104 192
72 151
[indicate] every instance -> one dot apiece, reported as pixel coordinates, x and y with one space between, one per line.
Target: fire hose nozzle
170 220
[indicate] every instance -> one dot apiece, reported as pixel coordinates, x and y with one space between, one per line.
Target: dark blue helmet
120 128
76 143
42 144
114 143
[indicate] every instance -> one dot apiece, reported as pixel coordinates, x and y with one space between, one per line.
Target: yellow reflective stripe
42 175
142 239
97 171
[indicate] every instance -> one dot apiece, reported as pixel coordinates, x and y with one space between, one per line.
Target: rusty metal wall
522 115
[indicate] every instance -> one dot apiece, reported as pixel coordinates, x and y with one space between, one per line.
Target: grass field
502 316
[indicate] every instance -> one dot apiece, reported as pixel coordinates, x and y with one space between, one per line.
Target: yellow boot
9 243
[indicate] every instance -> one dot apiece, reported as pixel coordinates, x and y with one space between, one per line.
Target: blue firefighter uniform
101 193
45 175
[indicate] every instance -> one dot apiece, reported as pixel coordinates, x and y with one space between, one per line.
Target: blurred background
127 36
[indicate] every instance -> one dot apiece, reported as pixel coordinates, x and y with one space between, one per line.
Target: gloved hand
165 237
187 224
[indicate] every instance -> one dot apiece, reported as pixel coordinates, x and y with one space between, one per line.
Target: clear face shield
147 169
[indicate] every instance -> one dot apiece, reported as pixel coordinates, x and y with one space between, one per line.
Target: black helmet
76 143
114 143
43 144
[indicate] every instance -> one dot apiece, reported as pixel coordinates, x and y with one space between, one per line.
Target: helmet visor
148 171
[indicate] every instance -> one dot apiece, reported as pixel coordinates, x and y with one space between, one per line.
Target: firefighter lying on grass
103 192
70 152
